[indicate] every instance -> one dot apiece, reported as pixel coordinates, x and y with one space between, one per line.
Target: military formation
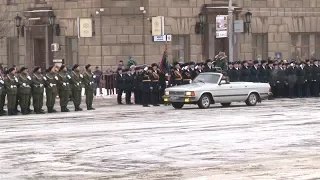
287 79
21 88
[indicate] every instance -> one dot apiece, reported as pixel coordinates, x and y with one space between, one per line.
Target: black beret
62 67
191 63
10 70
137 68
255 62
154 64
176 63
36 69
88 65
244 61
270 62
22 69
307 60
150 68
263 61
119 69
230 63
75 66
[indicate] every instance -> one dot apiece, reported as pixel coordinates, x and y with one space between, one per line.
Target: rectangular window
40 1
260 46
181 48
13 51
72 51
305 46
11 2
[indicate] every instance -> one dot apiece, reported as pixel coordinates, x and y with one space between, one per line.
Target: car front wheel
177 105
204 101
252 99
225 104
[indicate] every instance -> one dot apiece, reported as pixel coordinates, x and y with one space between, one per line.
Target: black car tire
177 105
204 101
252 99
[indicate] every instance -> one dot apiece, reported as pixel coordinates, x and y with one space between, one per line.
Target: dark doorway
39 53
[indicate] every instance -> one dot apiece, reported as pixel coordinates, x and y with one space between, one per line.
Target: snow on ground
274 140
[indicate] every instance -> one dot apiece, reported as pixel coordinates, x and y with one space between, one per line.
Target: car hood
190 87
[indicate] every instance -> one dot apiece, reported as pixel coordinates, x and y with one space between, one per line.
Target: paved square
277 139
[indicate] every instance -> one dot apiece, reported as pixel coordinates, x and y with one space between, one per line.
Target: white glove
44 78
51 84
196 67
16 79
94 76
78 84
81 75
24 84
68 76
1 81
64 84
11 86
29 78
145 69
41 85
56 77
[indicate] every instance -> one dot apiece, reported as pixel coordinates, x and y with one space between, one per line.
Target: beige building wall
122 30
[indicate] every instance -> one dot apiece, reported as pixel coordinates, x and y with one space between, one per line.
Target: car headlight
190 93
166 93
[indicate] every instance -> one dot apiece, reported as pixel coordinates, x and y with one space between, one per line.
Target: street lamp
202 18
17 21
52 20
248 17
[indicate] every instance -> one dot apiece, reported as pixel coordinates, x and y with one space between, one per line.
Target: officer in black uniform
146 85
292 79
137 86
263 77
309 78
128 81
316 78
301 79
254 72
193 71
230 71
245 72
154 85
120 85
236 71
186 74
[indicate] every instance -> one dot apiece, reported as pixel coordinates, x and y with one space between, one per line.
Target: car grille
176 93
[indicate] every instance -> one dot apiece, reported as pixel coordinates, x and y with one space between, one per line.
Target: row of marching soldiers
287 79
20 87
148 83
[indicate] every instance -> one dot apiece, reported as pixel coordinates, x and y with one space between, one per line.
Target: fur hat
87 66
75 67
62 67
36 69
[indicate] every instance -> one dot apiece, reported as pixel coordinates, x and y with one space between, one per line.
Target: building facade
284 28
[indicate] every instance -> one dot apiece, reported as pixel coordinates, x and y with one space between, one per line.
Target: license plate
175 97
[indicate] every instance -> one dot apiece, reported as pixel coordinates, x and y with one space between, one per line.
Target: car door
223 93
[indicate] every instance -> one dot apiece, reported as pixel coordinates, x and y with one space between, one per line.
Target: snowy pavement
275 140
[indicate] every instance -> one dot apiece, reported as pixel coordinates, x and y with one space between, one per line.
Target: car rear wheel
252 99
177 105
225 104
204 101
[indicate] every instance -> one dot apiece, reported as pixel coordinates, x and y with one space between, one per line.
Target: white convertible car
210 88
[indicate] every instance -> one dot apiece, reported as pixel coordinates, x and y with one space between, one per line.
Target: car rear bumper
180 99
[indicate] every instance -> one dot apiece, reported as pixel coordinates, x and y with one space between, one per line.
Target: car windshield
207 78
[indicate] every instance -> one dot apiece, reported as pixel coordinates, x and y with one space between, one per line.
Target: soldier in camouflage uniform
63 87
88 79
51 88
76 82
2 96
37 90
10 83
24 90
